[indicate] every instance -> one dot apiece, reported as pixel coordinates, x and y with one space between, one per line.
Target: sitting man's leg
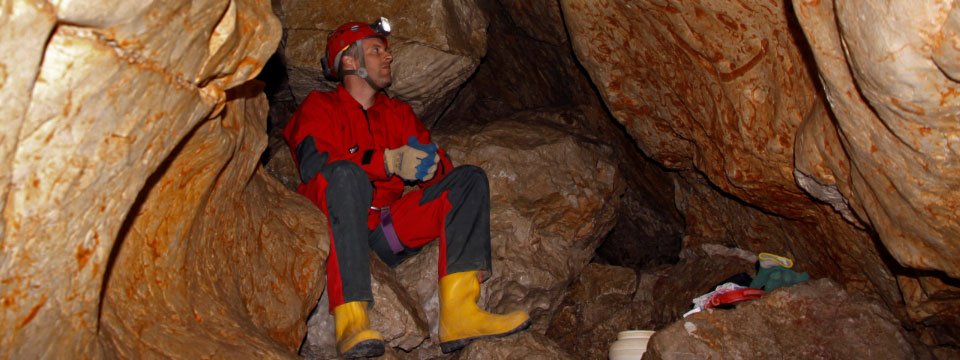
348 196
457 209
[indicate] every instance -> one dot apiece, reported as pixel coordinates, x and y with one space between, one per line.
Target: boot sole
451 346
365 349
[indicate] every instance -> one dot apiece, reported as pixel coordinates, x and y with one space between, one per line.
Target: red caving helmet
348 34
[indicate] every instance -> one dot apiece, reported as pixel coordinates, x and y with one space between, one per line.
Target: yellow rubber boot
462 321
355 339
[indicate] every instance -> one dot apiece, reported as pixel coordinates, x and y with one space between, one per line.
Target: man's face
378 59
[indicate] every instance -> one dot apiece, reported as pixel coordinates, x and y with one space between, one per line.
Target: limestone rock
553 196
539 19
891 151
528 65
204 266
827 247
119 87
722 87
935 303
394 314
609 299
812 320
525 345
664 294
599 306
436 45
719 86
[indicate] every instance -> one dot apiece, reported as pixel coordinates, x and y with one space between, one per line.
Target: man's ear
348 62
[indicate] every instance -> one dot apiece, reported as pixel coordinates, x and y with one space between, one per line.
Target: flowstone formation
732 90
133 222
148 213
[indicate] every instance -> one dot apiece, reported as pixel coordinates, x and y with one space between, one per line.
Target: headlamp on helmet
381 26
349 34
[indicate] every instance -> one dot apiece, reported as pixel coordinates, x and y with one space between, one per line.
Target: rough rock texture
547 218
548 214
598 306
891 149
609 299
436 45
525 345
395 314
828 247
120 85
697 82
528 65
204 267
932 302
811 320
724 88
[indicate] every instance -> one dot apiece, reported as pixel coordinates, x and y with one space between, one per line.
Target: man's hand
403 162
428 165
432 170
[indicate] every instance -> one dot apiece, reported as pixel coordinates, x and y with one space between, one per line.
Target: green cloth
776 277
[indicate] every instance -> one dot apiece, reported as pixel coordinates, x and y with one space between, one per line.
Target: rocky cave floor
673 236
639 153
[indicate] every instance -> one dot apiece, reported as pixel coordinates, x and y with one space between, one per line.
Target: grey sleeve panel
311 162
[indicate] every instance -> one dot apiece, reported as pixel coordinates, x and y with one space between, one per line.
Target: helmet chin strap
362 70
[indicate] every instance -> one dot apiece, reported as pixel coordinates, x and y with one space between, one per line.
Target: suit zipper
369 130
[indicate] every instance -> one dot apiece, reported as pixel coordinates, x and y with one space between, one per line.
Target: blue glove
428 163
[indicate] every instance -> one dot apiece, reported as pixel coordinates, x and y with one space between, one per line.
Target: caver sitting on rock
355 148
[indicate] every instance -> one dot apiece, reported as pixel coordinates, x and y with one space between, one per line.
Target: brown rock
719 86
934 304
204 266
664 294
811 320
894 156
599 306
525 345
395 314
436 45
118 89
538 19
553 196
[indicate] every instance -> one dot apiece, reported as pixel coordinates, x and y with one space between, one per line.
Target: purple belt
386 223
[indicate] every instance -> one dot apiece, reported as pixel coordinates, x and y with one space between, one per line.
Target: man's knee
344 171
346 178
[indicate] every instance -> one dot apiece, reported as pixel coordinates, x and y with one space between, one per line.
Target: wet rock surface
608 299
889 152
136 222
727 92
525 345
395 314
204 271
87 129
811 320
719 86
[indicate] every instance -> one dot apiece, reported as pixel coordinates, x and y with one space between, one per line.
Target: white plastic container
630 345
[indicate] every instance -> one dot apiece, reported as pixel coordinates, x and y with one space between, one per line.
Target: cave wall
891 153
228 258
99 101
857 182
137 223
